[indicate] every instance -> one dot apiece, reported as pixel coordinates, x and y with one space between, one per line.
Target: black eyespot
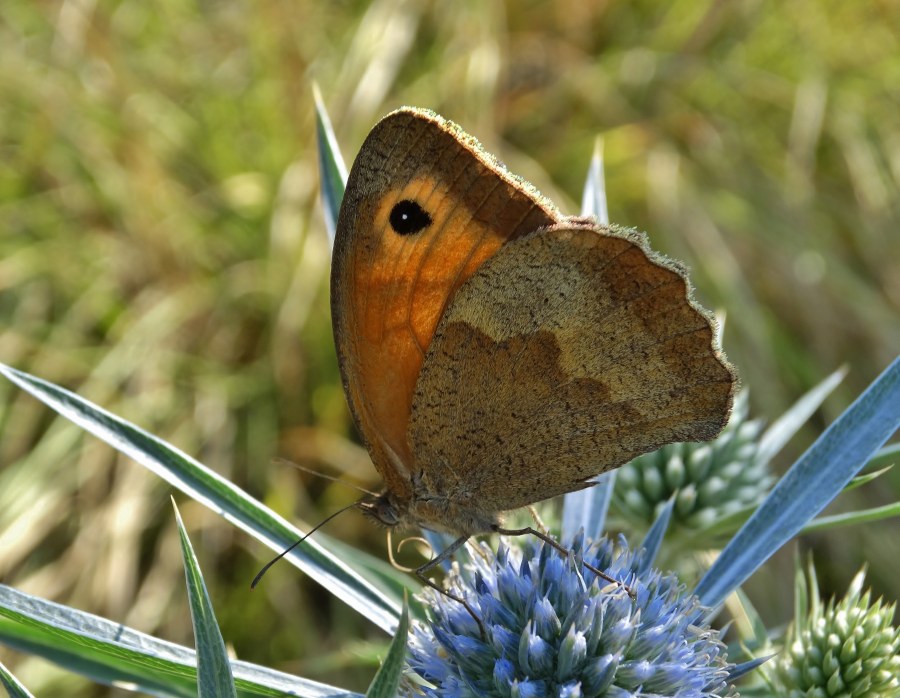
408 218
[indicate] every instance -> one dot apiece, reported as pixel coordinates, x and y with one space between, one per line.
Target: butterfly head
382 509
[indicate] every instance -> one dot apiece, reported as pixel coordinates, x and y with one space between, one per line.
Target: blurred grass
162 251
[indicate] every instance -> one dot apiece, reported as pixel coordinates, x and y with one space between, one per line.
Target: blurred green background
162 253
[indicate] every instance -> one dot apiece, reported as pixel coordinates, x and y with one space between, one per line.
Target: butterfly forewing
423 209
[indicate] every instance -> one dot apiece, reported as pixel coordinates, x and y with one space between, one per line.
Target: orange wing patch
389 287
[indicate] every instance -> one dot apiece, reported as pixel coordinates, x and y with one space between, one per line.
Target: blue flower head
553 629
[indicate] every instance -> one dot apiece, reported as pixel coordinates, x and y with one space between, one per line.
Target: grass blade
888 455
851 518
867 478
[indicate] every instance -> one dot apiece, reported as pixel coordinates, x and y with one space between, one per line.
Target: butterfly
494 351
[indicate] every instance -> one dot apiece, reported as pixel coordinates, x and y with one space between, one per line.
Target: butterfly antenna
280 555
338 480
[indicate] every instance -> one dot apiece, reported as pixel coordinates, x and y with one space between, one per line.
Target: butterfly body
495 352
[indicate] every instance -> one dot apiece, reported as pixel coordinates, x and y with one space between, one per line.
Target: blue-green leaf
213 668
593 199
387 680
13 686
332 170
654 538
207 487
807 488
586 509
783 429
114 654
746 667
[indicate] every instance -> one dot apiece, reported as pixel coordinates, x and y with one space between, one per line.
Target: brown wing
568 353
424 207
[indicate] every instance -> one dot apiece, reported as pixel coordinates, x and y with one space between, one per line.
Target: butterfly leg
537 519
437 560
563 550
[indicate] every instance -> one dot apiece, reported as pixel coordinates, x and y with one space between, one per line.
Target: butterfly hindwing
569 352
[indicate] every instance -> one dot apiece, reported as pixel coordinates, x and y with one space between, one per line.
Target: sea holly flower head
842 648
552 628
709 480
